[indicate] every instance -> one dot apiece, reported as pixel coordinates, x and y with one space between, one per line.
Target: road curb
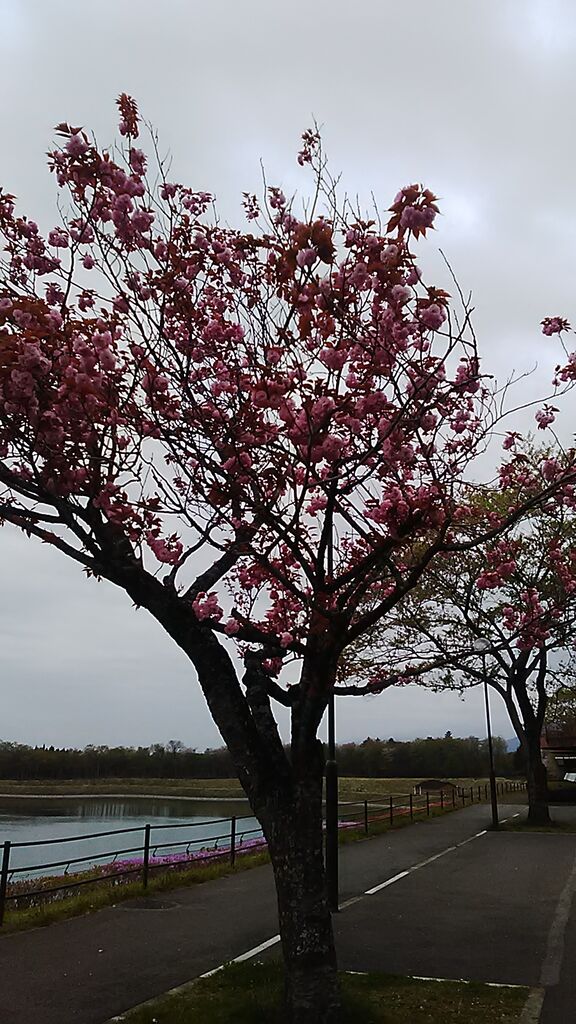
533 1006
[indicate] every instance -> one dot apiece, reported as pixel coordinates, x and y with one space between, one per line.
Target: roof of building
436 784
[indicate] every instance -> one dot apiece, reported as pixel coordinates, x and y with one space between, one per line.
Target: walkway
443 898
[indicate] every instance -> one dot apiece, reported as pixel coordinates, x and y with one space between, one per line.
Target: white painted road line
245 956
350 902
436 856
389 881
465 981
369 892
421 864
472 838
550 974
257 949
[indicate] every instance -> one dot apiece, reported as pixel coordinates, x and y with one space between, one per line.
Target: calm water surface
189 824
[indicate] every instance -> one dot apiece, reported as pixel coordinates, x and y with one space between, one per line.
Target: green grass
349 788
250 994
104 787
375 789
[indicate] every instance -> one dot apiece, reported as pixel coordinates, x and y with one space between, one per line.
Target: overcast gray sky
476 100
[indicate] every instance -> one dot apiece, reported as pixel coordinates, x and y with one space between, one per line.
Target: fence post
4 879
479 797
463 795
233 840
486 791
453 797
391 810
441 799
366 817
146 861
471 795
427 804
411 807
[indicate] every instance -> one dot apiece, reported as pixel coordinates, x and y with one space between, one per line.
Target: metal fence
363 814
146 852
232 841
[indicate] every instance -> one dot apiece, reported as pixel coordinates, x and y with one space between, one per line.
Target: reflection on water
188 824
110 807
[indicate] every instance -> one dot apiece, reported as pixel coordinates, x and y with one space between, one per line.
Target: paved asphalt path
468 904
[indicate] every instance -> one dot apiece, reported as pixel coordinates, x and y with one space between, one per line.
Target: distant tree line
446 757
158 761
433 757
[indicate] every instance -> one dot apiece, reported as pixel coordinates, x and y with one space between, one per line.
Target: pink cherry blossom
77 145
554 325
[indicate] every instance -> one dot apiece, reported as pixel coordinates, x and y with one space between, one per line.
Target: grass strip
349 788
250 993
103 894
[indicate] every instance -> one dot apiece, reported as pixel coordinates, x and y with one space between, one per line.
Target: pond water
177 825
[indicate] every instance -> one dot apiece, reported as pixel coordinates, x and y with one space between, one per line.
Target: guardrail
145 855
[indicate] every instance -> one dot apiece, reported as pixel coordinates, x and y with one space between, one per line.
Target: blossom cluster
183 383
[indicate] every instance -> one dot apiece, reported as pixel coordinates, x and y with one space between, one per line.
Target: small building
558 749
433 786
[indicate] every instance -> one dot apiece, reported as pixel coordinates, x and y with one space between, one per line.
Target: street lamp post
331 779
483 647
332 811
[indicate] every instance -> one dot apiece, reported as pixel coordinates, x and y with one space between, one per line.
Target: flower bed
30 892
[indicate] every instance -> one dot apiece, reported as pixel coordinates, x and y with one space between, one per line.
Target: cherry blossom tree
517 594
246 431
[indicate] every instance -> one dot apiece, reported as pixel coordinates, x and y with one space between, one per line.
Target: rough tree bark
293 824
537 779
528 725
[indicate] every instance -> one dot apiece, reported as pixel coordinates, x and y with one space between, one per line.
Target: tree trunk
537 779
295 840
285 795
